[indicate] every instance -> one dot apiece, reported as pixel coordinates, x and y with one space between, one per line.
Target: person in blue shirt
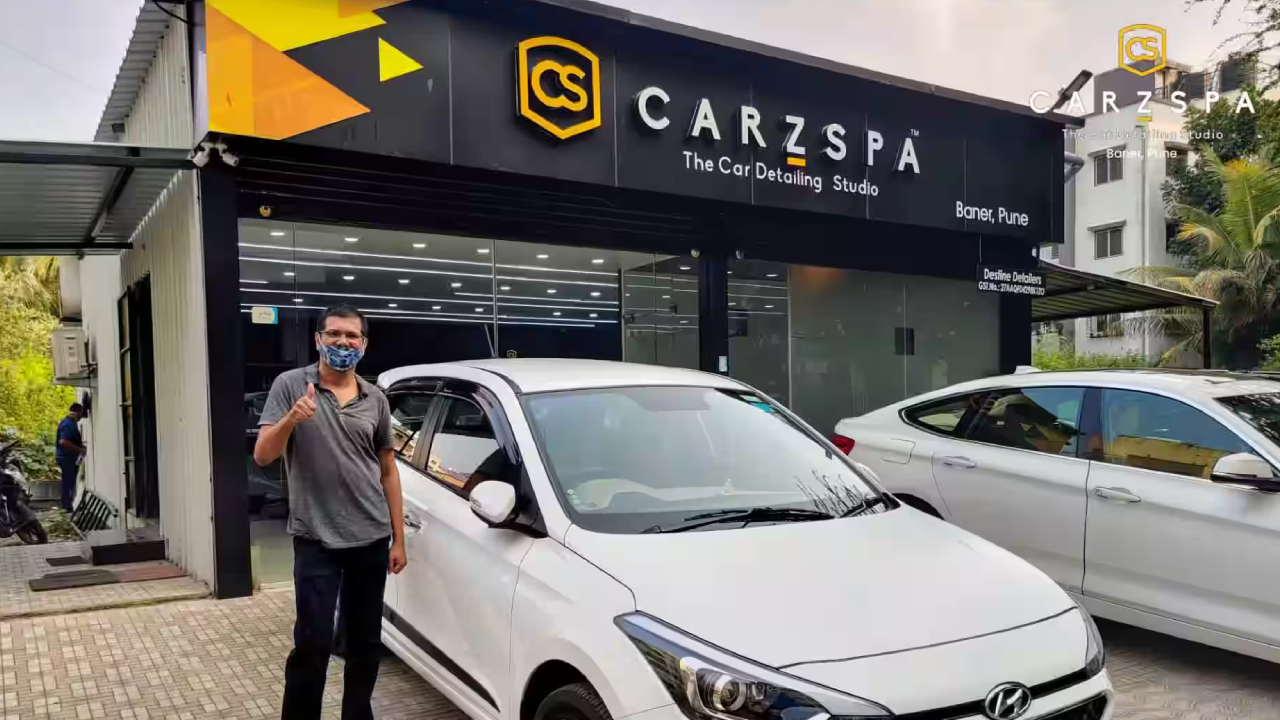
69 451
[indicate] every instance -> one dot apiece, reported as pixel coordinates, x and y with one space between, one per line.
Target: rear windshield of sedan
1262 411
627 459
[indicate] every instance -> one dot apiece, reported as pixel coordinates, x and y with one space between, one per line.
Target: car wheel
572 702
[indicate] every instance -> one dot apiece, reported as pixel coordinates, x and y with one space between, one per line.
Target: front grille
1091 709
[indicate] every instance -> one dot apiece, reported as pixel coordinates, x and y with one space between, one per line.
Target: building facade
521 179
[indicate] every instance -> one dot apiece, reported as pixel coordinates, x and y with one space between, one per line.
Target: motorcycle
16 517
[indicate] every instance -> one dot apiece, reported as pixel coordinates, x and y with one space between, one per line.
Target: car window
944 416
1158 433
464 450
408 411
627 460
1045 420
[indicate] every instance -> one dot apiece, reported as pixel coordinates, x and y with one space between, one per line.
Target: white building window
1107 169
1108 243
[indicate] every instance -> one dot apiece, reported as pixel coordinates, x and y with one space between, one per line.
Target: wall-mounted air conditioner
70 355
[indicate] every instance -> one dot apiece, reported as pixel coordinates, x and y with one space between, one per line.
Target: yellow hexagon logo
1142 44
559 86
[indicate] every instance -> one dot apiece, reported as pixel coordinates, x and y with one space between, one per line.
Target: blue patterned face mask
341 358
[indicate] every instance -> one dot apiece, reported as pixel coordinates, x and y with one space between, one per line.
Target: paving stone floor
225 659
20 563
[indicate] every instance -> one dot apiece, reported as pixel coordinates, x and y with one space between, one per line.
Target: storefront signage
553 92
1011 282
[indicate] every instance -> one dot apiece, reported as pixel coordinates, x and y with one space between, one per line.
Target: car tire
572 702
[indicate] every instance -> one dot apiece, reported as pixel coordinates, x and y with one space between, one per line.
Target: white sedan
1151 496
594 540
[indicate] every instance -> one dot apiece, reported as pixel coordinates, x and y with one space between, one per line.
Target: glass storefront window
660 310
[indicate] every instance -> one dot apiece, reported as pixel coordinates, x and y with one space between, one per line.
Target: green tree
1228 135
1237 251
29 313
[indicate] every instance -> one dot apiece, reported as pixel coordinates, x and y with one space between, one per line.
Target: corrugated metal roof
1072 293
73 197
148 30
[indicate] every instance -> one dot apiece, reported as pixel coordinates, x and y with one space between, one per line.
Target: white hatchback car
1149 495
592 540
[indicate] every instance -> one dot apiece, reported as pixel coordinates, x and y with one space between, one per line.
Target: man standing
70 448
345 511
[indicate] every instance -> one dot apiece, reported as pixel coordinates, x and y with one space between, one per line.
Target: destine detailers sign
1010 282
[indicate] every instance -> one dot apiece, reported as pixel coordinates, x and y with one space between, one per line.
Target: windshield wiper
864 506
760 514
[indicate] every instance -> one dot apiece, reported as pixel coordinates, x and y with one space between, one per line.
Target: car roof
537 375
1205 384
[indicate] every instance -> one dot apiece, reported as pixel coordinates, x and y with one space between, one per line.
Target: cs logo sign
558 85
1144 49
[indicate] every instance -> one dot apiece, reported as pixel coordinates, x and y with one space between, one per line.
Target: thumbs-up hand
305 408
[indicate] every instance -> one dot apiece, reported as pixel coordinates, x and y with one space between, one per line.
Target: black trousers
70 473
320 576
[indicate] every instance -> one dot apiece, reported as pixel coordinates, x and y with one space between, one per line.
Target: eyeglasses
335 335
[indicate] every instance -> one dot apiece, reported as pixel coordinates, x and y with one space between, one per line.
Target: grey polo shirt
331 461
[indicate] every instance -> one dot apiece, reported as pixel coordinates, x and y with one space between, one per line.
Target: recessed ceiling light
455 285
435 307
772 275
628 294
404 281
684 322
730 272
768 307
297 299
543 256
504 288
348 278
392 305
732 304
551 291
419 246
352 239
685 267
594 315
557 314
595 293
479 309
289 274
278 233
483 251
597 261
666 297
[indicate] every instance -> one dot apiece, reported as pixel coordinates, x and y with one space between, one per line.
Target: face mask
341 358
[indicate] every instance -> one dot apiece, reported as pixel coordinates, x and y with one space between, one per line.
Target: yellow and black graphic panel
366 75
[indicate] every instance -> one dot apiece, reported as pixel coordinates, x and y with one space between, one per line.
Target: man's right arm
278 421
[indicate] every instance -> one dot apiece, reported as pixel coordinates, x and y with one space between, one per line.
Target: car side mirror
1247 470
494 502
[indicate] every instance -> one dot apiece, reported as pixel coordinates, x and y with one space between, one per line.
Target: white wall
99 277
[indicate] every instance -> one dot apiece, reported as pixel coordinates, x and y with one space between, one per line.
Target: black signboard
1006 281
543 90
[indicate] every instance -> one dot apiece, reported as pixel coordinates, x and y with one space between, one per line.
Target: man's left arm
391 488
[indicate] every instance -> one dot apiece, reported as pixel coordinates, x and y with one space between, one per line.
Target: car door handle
1118 494
960 462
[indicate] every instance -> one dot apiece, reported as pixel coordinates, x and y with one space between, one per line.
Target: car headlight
1095 654
711 684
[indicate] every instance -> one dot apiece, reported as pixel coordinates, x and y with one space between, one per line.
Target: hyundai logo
1007 702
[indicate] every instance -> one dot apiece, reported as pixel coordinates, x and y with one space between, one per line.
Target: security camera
229 158
199 159
695 252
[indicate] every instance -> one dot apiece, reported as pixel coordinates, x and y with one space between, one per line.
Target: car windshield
644 459
1262 411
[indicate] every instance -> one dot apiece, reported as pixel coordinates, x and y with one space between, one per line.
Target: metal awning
1071 293
66 198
